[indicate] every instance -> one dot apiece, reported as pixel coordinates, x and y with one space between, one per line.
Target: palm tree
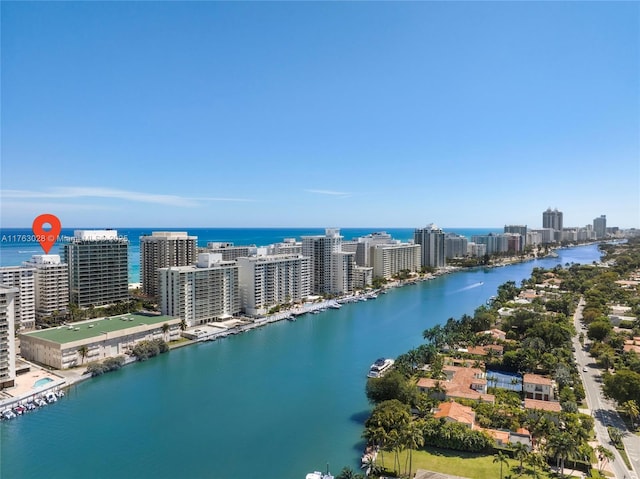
83 351
520 452
500 458
413 438
630 409
165 330
377 436
183 325
561 446
371 467
616 435
604 456
535 459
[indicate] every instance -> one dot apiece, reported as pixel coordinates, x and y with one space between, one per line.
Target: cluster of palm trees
392 428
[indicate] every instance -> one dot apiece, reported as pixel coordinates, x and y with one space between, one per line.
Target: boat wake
471 286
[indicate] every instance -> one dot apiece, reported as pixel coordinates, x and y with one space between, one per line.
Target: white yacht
380 367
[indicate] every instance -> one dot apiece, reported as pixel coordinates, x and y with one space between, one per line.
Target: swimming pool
510 381
42 382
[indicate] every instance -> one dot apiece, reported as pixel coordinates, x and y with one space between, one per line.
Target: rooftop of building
551 406
456 412
458 383
536 379
97 327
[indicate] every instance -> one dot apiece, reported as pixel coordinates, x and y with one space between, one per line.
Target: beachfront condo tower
268 281
8 295
161 250
201 293
331 268
51 284
98 269
431 239
22 278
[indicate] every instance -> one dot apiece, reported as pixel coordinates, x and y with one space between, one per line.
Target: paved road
603 410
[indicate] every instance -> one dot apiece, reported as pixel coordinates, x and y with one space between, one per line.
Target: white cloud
99 192
328 192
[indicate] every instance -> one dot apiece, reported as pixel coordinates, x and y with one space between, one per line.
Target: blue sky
226 114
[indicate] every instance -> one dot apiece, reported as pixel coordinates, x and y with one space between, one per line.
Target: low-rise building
80 343
452 411
460 382
537 387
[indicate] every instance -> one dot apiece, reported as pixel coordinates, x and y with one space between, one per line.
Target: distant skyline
312 114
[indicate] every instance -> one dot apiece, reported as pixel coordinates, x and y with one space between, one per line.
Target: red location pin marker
46 238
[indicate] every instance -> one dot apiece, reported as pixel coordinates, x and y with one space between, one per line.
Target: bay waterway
276 402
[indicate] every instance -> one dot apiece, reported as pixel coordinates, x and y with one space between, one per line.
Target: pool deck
24 386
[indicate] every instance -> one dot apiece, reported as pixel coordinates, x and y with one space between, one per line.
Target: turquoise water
273 403
42 382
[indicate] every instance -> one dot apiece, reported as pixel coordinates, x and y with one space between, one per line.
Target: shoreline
221 330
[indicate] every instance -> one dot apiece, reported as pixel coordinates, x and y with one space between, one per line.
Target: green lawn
473 466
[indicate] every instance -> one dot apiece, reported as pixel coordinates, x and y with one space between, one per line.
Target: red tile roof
551 406
536 379
457 412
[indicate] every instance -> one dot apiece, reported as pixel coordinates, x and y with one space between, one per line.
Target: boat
335 306
7 414
291 318
380 367
319 475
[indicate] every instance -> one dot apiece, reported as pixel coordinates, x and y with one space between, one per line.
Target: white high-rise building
364 244
161 250
229 252
201 293
476 249
362 276
343 264
98 267
51 284
8 298
331 268
288 246
23 278
431 238
518 229
268 281
390 259
455 245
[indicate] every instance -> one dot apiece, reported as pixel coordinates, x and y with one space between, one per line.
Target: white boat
8 414
380 367
318 475
335 306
